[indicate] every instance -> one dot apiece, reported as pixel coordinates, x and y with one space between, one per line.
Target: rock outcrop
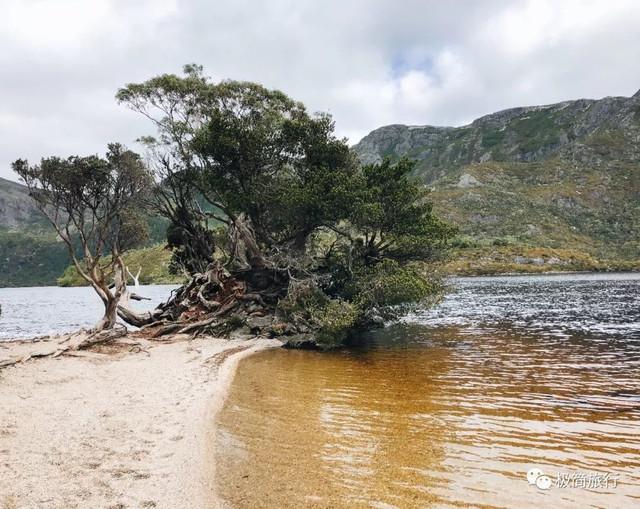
564 175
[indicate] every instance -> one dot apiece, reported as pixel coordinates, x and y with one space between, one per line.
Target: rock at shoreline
302 342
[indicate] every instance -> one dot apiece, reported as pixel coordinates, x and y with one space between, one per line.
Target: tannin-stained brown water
452 407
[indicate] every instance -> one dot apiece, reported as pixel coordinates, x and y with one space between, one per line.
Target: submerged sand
122 427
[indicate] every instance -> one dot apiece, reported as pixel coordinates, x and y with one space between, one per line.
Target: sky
367 62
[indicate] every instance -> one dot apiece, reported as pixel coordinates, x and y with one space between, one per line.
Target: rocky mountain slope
16 207
562 176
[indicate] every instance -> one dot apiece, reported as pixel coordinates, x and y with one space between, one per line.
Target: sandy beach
130 426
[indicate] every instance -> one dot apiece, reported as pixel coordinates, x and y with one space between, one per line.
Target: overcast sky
368 62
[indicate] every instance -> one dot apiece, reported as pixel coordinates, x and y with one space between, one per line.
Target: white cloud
368 62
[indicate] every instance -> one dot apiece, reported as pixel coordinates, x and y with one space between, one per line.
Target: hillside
532 189
16 207
30 254
152 261
564 176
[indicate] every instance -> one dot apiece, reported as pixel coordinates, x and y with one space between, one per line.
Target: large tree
272 214
95 205
265 168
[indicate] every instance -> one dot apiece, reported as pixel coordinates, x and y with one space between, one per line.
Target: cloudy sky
368 62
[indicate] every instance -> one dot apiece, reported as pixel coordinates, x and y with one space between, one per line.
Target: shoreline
547 273
129 425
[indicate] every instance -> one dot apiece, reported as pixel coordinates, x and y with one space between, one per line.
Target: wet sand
130 427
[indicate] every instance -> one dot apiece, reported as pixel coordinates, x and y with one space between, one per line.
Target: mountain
564 176
17 209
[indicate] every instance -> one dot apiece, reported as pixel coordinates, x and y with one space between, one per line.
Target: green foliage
391 211
92 202
289 196
536 130
492 138
333 319
390 285
336 321
463 242
392 226
302 299
248 151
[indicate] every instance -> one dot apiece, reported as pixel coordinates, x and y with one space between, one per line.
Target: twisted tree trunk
223 297
109 319
245 252
112 298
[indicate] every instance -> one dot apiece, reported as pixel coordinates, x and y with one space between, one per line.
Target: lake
29 312
513 392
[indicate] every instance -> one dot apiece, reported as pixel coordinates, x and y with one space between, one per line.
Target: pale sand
125 429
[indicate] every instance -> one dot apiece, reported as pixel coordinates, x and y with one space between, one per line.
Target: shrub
389 287
336 320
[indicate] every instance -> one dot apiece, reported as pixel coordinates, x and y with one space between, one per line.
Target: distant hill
563 176
30 254
17 209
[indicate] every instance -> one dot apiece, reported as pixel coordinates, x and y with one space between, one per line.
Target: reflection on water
446 413
29 312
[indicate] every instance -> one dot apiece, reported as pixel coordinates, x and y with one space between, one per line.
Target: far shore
498 270
129 425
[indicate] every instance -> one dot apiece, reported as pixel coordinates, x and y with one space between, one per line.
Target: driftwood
97 338
54 347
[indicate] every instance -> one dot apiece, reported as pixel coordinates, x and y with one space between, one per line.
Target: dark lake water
513 392
29 312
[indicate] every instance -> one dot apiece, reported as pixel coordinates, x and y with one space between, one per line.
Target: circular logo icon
533 474
543 482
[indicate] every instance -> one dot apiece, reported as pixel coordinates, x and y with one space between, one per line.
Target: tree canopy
265 199
245 151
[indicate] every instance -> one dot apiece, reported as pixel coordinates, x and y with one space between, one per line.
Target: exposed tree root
216 302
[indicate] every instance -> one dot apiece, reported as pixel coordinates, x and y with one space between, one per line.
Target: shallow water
30 312
451 408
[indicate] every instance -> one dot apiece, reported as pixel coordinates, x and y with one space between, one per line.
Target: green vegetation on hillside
154 262
552 204
498 258
30 259
563 177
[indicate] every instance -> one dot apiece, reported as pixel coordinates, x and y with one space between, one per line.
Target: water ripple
451 407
